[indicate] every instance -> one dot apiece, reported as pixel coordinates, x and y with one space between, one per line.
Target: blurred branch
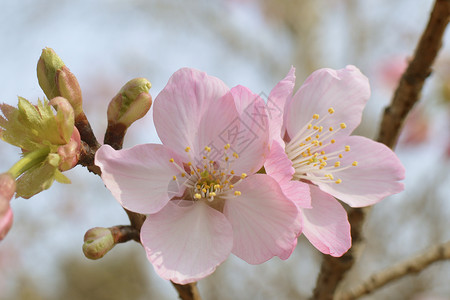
407 94
187 291
414 264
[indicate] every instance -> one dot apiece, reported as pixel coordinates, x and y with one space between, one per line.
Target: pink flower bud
7 190
70 153
97 242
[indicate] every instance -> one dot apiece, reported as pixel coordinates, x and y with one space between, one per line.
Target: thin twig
187 291
412 265
407 94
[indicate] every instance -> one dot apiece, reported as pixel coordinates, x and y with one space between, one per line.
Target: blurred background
105 43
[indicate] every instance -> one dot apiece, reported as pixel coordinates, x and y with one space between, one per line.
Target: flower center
307 151
208 179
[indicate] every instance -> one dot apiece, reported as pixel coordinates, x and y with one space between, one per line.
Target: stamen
355 163
187 149
237 193
343 125
330 110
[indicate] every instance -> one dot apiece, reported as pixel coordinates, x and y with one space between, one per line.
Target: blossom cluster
237 174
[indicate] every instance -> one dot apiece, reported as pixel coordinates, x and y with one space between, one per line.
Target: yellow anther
304 154
227 146
183 174
243 175
309 126
198 186
171 160
340 155
232 172
337 164
343 125
204 157
324 158
333 141
212 194
308 139
330 176
235 155
231 186
355 163
226 158
320 143
316 127
330 129
237 193
187 149
197 196
315 116
338 181
217 186
192 172
189 164
204 190
347 148
320 128
330 110
174 177
322 152
302 144
208 149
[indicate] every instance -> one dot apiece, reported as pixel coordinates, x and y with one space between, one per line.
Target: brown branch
407 94
124 233
187 291
412 265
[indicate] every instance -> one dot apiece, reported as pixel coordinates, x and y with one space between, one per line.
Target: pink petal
278 165
139 177
346 90
297 192
265 223
214 129
6 217
326 225
275 105
375 177
185 242
181 105
251 140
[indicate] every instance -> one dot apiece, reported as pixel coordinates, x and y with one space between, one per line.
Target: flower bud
131 103
7 190
70 153
56 80
7 186
97 242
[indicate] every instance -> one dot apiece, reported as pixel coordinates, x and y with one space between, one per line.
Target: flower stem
28 161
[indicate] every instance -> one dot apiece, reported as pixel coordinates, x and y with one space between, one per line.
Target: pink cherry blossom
312 149
199 189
